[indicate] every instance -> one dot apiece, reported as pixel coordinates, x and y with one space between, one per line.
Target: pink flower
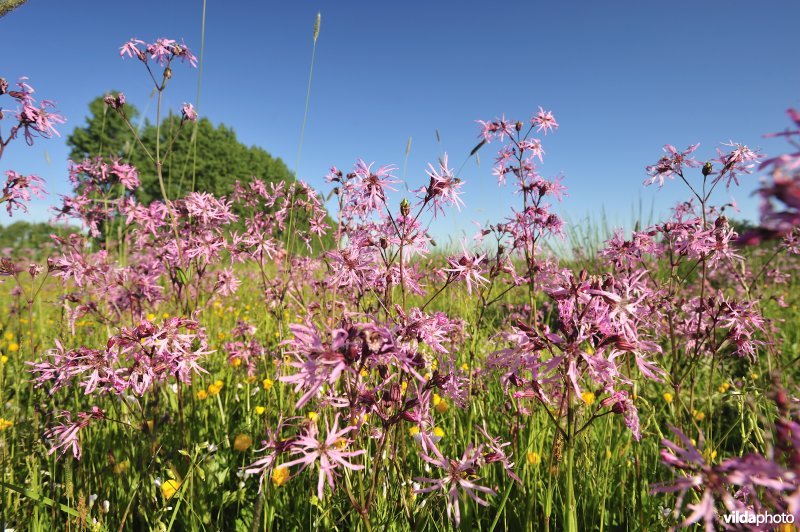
188 113
372 186
740 160
444 188
467 267
458 475
671 164
131 49
66 434
544 121
19 189
328 453
35 121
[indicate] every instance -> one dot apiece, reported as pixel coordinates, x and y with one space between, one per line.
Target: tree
216 162
212 163
31 240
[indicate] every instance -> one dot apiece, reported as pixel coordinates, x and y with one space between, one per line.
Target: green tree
220 158
212 162
32 240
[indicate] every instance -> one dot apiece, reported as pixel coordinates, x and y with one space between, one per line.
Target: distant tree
216 162
742 226
31 238
220 158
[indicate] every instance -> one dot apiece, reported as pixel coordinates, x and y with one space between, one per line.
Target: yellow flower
753 375
121 467
608 453
169 488
340 443
13 347
165 315
364 373
439 404
413 430
667 397
8 336
202 395
724 387
214 389
590 350
438 432
151 317
236 362
5 424
242 442
588 398
260 410
533 458
280 476
709 454
313 416
404 386
699 416
3 359
220 335
267 384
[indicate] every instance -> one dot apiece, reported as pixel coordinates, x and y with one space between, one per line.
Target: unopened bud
3 86
707 169
167 73
518 126
405 207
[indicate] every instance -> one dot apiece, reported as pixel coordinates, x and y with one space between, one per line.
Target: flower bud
518 126
405 207
707 169
167 73
3 86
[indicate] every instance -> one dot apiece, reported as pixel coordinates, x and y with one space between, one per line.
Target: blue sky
623 78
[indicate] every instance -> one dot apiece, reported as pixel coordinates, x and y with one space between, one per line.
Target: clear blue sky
623 78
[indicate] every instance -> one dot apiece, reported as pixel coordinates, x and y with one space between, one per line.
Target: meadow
291 359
